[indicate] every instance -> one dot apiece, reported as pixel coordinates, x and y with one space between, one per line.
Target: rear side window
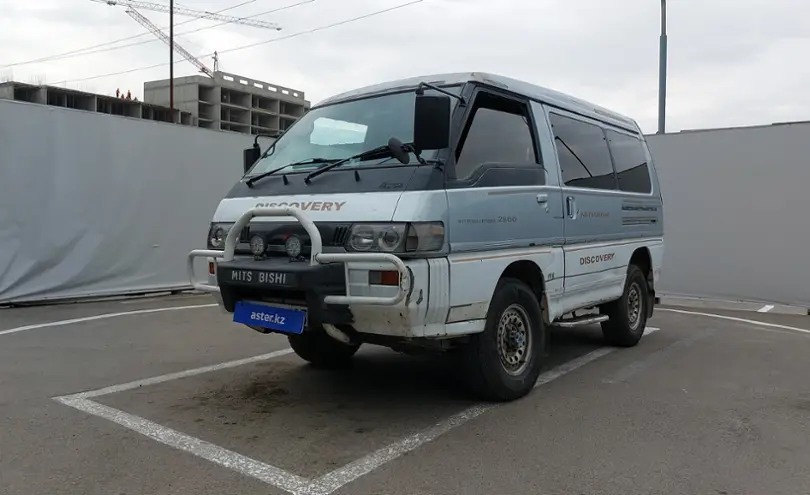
630 162
583 152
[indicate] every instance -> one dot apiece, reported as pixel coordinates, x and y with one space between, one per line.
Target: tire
491 377
321 350
628 314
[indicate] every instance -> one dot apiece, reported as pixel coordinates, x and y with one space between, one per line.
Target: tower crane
200 14
143 21
171 9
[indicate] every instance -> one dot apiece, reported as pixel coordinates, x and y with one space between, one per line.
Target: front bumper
333 287
317 257
281 281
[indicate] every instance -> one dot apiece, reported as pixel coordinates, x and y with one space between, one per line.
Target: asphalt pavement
168 396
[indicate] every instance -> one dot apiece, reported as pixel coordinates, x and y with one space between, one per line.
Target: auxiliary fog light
293 246
257 245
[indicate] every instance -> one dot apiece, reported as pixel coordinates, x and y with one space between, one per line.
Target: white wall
737 212
94 204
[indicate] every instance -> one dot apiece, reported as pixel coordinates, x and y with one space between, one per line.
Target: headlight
396 237
217 234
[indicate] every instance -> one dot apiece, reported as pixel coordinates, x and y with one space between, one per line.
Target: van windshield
344 129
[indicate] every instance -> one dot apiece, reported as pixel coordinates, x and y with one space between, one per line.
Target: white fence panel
737 212
94 204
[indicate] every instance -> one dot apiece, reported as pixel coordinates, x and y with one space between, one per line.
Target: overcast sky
731 62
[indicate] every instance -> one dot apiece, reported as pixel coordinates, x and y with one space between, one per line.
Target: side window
630 162
583 151
498 132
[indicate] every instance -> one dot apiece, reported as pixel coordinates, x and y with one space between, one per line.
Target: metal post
171 58
662 70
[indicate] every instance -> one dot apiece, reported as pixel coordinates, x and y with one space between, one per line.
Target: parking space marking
180 374
734 318
208 451
633 368
272 475
332 481
60 323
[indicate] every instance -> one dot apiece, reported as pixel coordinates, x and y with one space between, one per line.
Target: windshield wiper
394 148
308 161
378 152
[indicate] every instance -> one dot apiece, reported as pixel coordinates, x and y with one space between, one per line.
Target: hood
353 207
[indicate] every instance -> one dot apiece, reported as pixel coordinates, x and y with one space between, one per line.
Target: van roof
534 92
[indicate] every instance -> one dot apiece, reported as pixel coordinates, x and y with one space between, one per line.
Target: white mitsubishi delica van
463 213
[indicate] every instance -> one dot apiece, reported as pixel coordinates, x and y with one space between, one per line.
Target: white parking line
272 475
332 481
766 308
208 451
734 318
181 374
60 323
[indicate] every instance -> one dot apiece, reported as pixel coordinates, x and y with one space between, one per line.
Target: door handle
543 200
570 207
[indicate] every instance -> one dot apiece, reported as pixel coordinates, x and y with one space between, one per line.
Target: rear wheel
503 362
321 350
628 314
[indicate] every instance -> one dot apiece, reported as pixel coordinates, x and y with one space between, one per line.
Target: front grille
340 235
333 235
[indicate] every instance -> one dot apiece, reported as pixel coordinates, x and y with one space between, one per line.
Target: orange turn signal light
386 277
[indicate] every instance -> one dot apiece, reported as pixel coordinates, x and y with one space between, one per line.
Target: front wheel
628 315
503 362
321 350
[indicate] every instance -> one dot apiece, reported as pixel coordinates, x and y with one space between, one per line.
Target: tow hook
337 333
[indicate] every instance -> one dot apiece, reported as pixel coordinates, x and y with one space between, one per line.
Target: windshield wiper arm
382 151
255 178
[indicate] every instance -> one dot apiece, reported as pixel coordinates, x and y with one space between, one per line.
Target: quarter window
583 152
630 161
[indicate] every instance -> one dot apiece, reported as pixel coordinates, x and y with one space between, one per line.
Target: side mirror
250 155
431 122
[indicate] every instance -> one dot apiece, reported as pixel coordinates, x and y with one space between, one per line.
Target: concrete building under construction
91 102
215 100
231 103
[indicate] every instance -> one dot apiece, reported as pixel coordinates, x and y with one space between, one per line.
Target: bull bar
317 256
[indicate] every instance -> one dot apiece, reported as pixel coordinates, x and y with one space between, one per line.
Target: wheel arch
531 274
643 260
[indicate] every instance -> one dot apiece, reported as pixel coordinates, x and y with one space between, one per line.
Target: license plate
280 319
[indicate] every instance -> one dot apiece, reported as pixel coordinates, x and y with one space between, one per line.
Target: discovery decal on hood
356 207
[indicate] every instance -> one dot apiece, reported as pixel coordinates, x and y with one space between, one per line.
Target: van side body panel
603 228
